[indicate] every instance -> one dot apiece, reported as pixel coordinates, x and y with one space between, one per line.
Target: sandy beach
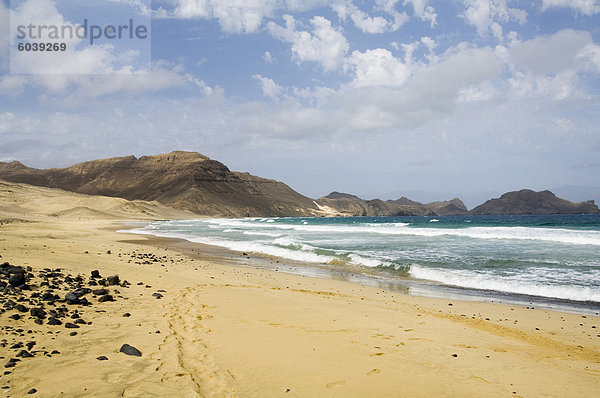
208 327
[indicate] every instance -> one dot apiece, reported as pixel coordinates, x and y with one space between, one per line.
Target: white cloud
378 67
586 7
324 44
486 15
550 54
234 16
268 58
189 9
268 86
552 66
424 11
369 24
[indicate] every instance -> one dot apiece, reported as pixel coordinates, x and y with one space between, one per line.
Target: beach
206 325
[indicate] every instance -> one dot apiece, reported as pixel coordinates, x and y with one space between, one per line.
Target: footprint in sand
373 372
336 384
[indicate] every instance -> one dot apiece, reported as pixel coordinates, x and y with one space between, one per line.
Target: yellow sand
228 330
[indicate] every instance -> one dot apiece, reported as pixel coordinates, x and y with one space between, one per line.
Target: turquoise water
554 257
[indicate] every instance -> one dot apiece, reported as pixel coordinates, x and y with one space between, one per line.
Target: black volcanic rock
527 201
183 180
130 350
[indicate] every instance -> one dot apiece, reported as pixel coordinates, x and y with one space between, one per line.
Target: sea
550 261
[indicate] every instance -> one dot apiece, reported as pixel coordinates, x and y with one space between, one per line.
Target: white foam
557 235
474 280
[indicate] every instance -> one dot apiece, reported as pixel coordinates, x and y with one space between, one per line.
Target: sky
383 98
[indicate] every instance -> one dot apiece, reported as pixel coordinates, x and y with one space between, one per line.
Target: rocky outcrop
183 180
527 201
353 206
454 207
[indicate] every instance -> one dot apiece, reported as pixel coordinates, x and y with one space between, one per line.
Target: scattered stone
96 274
21 308
106 297
126 315
32 391
102 358
16 317
130 350
25 354
53 321
70 325
73 334
113 280
71 298
100 292
455 355
38 313
17 279
157 295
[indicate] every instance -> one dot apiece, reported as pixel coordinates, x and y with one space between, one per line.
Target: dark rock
38 312
71 298
126 315
102 358
100 292
16 270
130 350
53 321
25 354
102 282
96 274
113 280
32 391
157 295
70 325
16 317
21 308
82 291
17 279
73 334
106 297
80 322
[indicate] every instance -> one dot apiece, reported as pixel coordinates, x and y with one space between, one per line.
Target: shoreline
221 329
406 285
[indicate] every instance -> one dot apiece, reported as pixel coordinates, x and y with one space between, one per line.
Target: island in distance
193 182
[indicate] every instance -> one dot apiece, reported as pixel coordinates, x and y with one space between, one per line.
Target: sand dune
22 200
221 329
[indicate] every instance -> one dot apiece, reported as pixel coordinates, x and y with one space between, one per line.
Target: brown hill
183 180
454 207
527 201
353 206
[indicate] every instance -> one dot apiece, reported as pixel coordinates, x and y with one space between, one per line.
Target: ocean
549 260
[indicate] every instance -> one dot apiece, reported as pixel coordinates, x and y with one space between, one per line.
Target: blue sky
385 97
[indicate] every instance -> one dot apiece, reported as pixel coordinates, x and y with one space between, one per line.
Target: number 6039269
42 46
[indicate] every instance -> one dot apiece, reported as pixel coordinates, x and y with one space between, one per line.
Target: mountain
527 201
351 205
454 207
183 180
